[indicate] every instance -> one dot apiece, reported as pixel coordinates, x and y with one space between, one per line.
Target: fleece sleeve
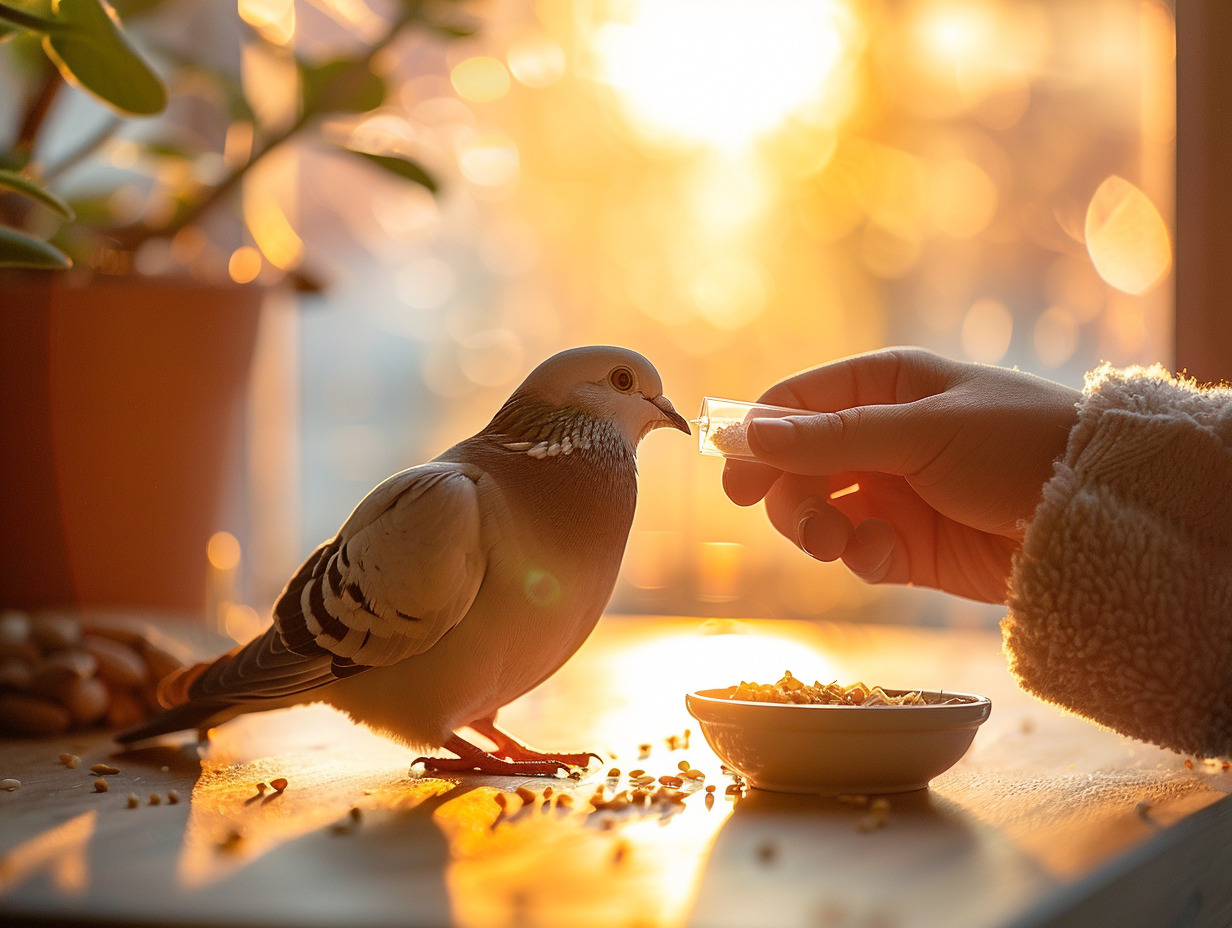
1120 605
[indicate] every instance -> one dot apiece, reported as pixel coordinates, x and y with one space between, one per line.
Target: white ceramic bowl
831 750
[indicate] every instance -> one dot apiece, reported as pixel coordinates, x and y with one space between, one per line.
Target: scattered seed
279 784
694 774
564 799
133 801
613 773
709 799
261 788
620 853
634 774
155 799
643 751
104 769
674 782
547 792
172 797
710 787
356 814
501 800
70 760
526 795
1189 763
683 765
100 785
9 784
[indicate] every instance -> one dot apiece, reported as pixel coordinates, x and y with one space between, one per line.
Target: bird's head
611 384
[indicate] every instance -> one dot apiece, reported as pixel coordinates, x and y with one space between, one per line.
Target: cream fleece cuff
1121 596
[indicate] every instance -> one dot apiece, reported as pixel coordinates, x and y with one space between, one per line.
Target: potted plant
123 390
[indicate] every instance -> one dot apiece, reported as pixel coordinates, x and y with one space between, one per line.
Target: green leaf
11 180
403 167
341 86
26 16
91 50
20 250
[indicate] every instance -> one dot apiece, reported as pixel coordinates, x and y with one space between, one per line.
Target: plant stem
131 237
36 112
30 22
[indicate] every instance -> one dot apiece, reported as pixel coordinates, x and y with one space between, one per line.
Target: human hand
950 459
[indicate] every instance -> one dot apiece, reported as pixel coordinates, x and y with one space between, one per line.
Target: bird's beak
670 416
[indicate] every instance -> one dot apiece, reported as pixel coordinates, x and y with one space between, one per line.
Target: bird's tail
181 710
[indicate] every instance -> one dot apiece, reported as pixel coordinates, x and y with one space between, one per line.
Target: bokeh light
713 71
1127 238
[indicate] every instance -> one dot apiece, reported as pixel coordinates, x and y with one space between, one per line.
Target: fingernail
772 434
800 529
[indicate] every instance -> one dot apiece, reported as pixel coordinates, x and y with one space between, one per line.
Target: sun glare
721 73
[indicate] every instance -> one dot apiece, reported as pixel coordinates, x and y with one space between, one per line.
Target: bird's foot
510 747
483 762
509 759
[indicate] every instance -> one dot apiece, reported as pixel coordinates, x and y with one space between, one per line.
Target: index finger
877 378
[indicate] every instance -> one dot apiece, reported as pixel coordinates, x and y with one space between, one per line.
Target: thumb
888 439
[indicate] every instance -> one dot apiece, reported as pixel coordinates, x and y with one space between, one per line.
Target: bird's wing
402 571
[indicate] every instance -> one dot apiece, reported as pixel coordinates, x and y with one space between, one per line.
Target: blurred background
737 190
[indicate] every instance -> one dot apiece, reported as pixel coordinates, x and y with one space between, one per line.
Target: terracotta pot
120 419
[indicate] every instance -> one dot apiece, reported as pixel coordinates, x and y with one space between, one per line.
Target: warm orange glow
223 551
536 61
244 264
273 19
481 79
271 229
715 72
1127 238
61 851
986 331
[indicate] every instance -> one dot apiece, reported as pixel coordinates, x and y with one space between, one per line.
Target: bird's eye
622 379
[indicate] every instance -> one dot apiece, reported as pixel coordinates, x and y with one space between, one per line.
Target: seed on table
526 795
614 772
683 765
564 799
100 785
634 774
104 769
155 799
172 797
133 801
9 784
261 788
547 792
70 761
672 781
710 788
694 774
279 784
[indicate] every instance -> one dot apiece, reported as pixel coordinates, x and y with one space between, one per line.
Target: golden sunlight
1126 237
721 73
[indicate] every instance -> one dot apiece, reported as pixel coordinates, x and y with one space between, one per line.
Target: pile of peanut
59 673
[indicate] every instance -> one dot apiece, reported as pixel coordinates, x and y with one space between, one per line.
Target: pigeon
457 585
